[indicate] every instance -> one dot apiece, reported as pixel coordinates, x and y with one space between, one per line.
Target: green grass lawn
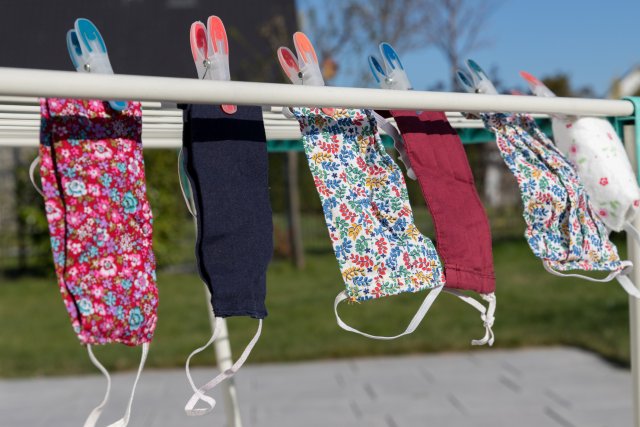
534 308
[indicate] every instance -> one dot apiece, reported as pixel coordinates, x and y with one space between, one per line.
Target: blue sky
593 41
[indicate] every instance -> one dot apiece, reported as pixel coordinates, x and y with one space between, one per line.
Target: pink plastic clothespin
210 50
303 68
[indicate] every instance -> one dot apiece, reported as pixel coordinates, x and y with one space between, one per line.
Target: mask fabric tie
398 143
93 417
621 276
199 394
487 314
32 170
413 325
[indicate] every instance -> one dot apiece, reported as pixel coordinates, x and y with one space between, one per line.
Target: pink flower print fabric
379 250
600 160
99 219
562 227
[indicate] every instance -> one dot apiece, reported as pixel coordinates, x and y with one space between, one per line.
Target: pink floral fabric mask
93 183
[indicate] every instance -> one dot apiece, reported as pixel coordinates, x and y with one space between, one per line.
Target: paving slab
558 387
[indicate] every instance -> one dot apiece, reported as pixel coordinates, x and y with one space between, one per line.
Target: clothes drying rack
162 128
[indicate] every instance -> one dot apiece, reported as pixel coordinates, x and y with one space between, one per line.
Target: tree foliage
560 84
353 29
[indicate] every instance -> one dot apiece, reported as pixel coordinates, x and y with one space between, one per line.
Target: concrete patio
533 387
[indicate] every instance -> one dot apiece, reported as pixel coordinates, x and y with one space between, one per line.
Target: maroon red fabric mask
463 237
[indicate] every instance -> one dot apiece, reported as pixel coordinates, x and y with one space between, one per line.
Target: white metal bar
19 99
634 304
161 128
224 360
28 82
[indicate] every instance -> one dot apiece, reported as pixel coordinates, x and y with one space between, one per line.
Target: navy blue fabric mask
225 159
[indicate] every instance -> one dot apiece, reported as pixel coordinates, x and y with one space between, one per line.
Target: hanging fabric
93 183
226 162
562 228
380 251
463 235
596 152
433 154
224 157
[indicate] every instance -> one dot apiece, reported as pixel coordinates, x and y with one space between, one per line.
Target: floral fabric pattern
99 219
598 156
379 250
562 228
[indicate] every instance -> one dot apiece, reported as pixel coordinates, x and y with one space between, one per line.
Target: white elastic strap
609 277
487 314
187 200
95 414
628 285
97 411
32 171
620 275
398 143
417 318
286 111
199 393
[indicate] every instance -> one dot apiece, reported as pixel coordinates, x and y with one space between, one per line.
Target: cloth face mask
226 162
562 228
594 149
437 159
599 158
93 183
379 250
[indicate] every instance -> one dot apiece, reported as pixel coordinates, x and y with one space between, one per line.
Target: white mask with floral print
595 150
598 156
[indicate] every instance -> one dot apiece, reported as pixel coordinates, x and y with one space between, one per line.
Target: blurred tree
455 27
173 229
346 33
627 84
260 67
560 84
32 232
352 29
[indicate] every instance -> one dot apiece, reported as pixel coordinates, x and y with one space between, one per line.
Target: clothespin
466 81
303 68
88 53
210 50
537 87
392 75
540 89
477 81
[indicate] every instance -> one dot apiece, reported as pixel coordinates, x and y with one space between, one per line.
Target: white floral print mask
595 150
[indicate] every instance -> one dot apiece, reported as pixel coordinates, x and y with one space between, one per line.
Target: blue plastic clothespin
392 74
476 81
88 53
